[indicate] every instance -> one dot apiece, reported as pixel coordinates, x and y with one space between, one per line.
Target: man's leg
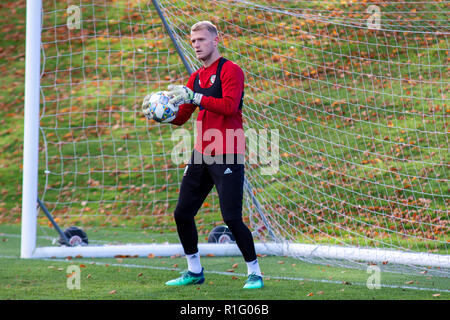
195 187
229 181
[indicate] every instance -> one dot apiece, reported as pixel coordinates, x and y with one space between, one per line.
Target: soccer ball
161 108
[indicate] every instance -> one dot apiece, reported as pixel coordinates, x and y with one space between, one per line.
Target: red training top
218 117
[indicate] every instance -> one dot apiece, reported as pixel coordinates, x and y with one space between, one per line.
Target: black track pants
199 178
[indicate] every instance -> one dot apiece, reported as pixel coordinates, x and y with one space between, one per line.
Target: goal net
345 111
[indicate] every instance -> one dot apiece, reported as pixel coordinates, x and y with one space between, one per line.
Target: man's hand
181 94
147 109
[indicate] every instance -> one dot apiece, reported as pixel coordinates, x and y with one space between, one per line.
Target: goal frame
30 191
31 128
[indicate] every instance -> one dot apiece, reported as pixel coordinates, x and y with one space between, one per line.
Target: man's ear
216 40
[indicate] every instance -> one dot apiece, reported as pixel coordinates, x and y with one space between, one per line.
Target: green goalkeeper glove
181 94
147 110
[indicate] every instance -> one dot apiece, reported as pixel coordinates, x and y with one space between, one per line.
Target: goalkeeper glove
181 94
147 109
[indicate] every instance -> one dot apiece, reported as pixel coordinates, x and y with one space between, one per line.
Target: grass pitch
143 279
396 127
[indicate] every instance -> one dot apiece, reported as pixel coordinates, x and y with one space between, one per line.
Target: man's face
204 43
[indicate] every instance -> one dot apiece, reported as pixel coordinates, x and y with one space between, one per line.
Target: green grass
143 278
384 170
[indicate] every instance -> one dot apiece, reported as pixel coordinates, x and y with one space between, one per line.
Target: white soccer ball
161 108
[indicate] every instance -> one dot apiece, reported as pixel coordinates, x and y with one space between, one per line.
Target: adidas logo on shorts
228 171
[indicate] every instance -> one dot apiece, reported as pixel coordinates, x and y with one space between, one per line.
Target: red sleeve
185 110
232 79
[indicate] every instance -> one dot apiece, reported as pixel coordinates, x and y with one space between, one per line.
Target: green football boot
254 282
187 278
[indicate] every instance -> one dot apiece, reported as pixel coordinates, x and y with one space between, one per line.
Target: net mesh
355 94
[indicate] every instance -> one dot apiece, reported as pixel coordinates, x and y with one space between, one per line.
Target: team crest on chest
212 79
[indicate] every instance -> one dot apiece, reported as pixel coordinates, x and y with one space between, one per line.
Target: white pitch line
235 274
265 276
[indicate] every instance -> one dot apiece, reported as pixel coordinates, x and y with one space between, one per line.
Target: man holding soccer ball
217 89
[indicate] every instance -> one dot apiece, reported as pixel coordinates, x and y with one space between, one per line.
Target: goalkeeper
217 89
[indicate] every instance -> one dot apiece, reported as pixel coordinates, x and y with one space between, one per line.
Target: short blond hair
205 25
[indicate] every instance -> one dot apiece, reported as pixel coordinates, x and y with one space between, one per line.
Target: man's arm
185 110
232 78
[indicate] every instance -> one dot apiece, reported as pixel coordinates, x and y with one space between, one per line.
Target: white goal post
323 97
31 128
